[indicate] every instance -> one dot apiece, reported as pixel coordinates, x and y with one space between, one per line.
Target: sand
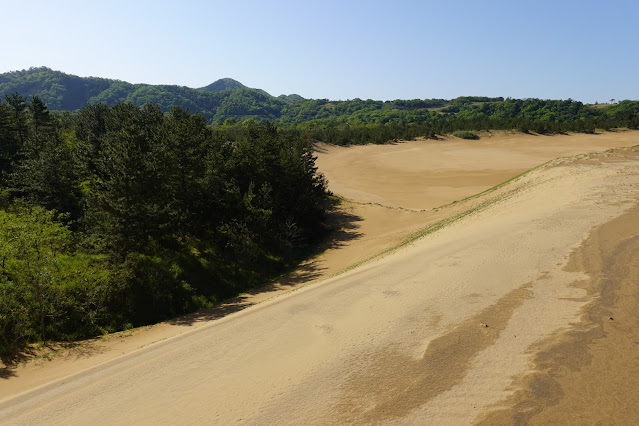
501 316
424 174
589 373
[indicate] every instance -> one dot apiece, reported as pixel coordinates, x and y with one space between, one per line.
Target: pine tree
39 114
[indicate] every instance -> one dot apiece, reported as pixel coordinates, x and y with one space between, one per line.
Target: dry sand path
502 316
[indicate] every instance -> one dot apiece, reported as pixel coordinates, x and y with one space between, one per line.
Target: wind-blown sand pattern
520 307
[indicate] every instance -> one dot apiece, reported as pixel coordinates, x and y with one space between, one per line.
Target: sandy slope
403 338
425 173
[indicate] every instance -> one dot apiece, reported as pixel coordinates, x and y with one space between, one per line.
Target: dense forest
122 215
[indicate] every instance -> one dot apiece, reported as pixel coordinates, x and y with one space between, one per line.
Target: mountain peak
223 84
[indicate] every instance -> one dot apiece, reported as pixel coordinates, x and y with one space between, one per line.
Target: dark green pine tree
46 174
181 154
18 117
13 131
8 144
39 115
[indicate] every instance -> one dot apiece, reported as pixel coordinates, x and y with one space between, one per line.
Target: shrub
466 134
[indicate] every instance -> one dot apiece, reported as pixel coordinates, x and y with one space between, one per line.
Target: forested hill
224 84
216 102
229 84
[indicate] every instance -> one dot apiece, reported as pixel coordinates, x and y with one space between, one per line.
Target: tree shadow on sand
343 227
82 349
6 373
69 350
10 361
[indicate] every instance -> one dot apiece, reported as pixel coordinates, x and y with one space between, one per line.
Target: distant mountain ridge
227 99
219 100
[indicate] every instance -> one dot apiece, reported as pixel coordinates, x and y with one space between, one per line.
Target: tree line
529 115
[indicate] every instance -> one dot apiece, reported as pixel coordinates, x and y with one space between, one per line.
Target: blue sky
585 50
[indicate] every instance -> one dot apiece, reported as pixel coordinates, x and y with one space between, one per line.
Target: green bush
49 290
466 134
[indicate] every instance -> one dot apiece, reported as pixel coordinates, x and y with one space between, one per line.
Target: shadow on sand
72 350
9 362
6 373
343 226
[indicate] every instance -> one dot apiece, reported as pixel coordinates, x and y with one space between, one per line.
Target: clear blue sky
585 50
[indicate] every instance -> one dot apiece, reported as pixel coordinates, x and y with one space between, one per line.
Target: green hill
226 98
228 84
59 91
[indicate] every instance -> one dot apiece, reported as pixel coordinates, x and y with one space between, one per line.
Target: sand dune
424 174
520 307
